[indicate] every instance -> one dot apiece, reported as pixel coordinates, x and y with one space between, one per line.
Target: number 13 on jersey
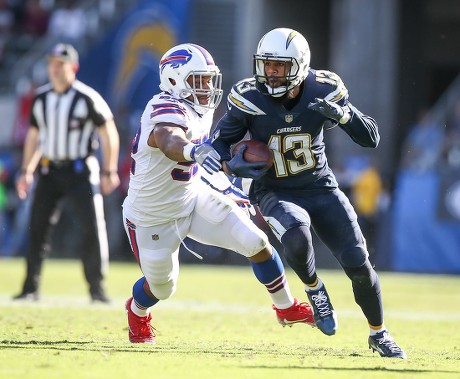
300 147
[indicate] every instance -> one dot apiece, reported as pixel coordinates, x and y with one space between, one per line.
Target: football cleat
297 312
100 297
385 345
27 296
140 329
325 316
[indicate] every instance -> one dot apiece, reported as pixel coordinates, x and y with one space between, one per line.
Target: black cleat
99 297
384 344
27 296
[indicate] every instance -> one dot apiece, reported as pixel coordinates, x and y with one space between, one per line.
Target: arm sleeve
229 130
361 128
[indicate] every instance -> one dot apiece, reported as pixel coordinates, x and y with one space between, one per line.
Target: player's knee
264 255
249 240
163 291
354 257
297 243
364 276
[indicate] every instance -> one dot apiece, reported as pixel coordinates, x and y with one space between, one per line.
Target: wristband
187 151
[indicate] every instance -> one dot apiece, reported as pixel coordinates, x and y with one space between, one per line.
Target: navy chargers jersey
293 132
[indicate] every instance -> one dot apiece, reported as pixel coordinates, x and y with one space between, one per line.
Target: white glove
205 155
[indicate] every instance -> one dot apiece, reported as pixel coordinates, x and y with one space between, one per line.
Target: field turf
219 324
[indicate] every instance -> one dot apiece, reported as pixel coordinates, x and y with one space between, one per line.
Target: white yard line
78 302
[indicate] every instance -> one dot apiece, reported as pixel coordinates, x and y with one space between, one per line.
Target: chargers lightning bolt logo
290 38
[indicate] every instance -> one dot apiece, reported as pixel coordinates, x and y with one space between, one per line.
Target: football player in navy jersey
287 105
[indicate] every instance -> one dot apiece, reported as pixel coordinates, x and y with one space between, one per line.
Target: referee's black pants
65 184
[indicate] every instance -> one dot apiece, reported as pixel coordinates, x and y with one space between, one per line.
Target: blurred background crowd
399 59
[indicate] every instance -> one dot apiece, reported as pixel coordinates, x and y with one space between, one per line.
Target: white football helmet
183 61
285 45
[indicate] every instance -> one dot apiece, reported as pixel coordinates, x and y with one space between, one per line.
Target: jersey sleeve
168 110
99 110
233 126
361 128
331 87
33 122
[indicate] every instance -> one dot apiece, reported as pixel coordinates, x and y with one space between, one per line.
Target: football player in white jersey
167 201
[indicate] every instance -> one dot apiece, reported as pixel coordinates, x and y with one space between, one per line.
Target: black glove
331 110
237 166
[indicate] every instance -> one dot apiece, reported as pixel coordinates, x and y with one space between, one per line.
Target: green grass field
220 324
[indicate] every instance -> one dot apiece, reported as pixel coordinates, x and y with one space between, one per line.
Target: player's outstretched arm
172 141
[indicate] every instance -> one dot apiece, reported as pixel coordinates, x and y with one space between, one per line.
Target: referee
66 118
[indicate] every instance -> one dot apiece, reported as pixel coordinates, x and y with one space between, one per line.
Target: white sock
141 312
373 330
282 299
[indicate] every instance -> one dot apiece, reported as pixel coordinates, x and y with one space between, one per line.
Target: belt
76 164
45 162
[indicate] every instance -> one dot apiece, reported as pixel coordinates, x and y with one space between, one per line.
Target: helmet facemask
194 90
291 78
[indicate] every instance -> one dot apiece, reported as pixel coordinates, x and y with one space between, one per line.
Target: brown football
256 151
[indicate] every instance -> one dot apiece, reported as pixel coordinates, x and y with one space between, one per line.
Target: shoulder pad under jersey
239 97
338 90
166 108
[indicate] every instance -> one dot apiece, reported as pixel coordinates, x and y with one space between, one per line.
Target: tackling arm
172 141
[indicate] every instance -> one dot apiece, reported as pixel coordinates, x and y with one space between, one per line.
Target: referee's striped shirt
67 121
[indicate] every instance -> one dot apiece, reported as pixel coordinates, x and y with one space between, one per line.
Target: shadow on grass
89 346
374 368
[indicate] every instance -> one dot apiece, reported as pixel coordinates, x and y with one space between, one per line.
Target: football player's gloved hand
207 157
237 166
331 110
237 195
241 199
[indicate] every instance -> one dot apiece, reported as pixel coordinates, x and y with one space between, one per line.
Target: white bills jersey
160 189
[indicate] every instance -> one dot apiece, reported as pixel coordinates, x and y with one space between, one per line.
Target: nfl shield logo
155 237
288 118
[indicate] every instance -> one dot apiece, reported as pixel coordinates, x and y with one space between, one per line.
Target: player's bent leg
160 265
270 272
231 229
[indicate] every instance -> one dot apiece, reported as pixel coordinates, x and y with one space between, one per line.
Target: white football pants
216 220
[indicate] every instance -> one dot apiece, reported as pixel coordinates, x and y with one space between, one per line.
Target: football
256 151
